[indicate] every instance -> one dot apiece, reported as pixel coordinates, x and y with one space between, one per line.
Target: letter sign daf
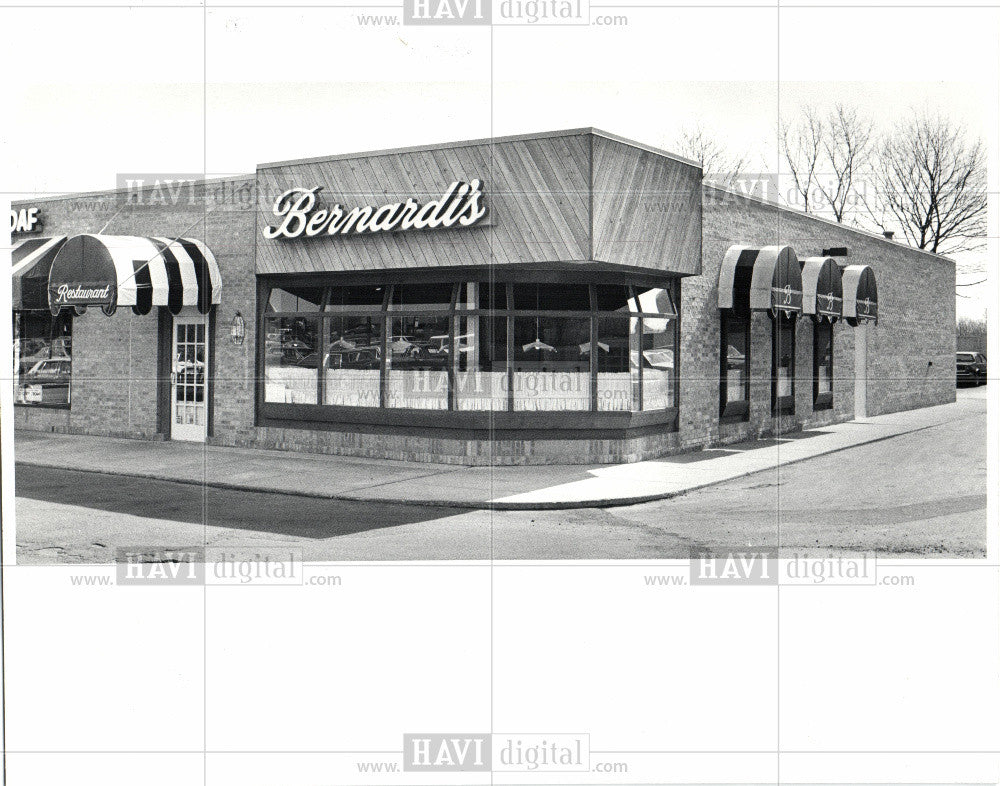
300 216
24 220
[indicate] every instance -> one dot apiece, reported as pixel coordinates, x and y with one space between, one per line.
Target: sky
255 85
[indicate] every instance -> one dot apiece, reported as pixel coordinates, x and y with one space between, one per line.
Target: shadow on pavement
281 514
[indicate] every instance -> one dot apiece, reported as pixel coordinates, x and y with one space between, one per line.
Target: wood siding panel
536 193
647 209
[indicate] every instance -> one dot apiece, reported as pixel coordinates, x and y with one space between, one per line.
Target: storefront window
823 365
352 361
783 357
291 360
472 346
735 381
551 364
43 348
617 365
481 362
417 362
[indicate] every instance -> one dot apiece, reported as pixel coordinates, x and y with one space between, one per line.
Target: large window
783 365
823 365
43 349
735 371
472 346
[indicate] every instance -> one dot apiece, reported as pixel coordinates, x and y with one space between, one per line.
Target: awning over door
822 293
860 294
32 260
765 279
118 270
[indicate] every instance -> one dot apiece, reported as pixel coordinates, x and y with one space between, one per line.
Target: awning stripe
141 272
29 252
32 260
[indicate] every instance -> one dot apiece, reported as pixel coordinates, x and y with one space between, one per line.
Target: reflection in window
290 299
417 361
735 370
551 363
617 365
290 359
823 364
481 362
42 358
352 361
551 297
783 384
355 298
657 363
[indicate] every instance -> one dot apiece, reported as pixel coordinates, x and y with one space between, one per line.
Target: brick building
565 297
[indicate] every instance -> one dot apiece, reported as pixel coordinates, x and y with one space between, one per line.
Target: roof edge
250 177
847 227
588 130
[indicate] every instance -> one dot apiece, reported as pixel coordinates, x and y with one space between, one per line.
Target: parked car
47 382
970 367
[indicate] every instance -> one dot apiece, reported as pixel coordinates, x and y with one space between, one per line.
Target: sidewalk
500 488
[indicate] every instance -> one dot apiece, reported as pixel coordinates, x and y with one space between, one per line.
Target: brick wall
910 352
910 358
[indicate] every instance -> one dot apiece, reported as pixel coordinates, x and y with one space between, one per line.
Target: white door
861 370
189 378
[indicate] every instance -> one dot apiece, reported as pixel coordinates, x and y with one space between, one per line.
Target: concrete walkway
500 488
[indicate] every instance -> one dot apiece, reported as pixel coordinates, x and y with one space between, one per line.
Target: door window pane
352 361
658 363
291 359
617 365
551 363
417 361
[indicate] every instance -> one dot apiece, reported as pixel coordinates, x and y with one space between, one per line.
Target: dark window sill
479 424
823 401
785 405
735 412
22 405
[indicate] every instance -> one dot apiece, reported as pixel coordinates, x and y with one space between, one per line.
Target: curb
616 502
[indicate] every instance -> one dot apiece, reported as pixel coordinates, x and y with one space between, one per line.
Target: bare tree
802 145
718 164
929 180
846 146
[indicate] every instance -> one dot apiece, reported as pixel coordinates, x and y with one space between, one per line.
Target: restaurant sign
302 216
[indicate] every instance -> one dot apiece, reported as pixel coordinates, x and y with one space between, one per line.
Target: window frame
782 405
552 422
53 322
733 411
822 401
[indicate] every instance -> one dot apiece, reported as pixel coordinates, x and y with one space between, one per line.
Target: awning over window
117 270
860 294
765 279
32 260
822 294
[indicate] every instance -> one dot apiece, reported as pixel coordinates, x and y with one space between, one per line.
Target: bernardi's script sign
302 215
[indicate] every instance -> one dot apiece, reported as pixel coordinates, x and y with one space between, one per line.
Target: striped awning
32 260
760 279
123 270
822 292
860 295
